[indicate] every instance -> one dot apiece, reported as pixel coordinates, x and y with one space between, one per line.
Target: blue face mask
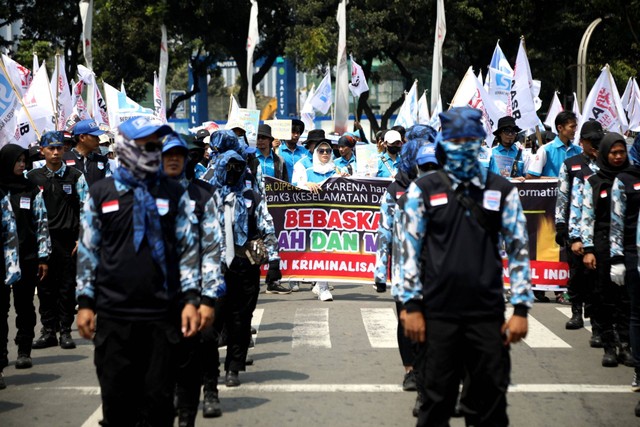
104 150
462 159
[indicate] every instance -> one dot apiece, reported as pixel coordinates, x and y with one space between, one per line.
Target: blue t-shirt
266 163
502 159
387 167
341 164
291 157
550 157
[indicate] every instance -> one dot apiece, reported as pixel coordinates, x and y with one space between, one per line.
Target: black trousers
23 292
405 345
581 281
243 287
199 362
135 363
632 282
610 302
57 293
472 351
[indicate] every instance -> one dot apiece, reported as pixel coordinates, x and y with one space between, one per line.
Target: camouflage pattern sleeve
575 210
108 172
259 187
267 230
210 248
187 246
384 238
516 243
562 201
588 216
88 251
42 227
396 254
220 215
618 211
11 243
83 192
413 220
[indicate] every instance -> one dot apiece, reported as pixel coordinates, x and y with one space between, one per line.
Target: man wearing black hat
573 172
506 159
314 137
85 156
291 152
271 163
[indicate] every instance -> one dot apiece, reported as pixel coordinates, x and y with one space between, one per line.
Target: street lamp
582 61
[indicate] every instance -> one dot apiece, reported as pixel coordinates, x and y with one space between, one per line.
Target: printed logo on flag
491 200
110 206
163 206
438 199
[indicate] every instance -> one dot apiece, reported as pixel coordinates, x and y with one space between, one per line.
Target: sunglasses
509 131
152 146
236 167
324 151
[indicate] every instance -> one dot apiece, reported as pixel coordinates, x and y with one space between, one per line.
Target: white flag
100 115
307 114
158 105
576 110
322 99
86 14
121 108
164 63
408 115
466 90
604 105
423 109
341 116
521 105
253 38
490 113
436 69
122 87
435 115
358 83
634 113
79 108
38 103
36 64
627 94
234 110
19 75
499 88
554 109
9 103
61 94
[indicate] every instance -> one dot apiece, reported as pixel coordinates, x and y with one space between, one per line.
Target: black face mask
235 170
393 150
195 156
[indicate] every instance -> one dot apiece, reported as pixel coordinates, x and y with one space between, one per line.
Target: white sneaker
316 289
294 286
325 296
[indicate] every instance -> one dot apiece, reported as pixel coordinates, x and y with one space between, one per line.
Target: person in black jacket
35 245
64 190
85 156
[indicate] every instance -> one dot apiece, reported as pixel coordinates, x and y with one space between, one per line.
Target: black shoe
249 360
252 343
380 287
576 321
595 341
253 331
211 405
637 409
66 342
23 362
277 288
417 405
231 379
3 385
186 418
409 382
540 296
624 355
610 358
47 339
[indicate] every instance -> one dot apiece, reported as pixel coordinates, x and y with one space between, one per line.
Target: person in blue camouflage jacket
610 304
198 359
452 218
10 269
249 241
138 271
35 246
625 204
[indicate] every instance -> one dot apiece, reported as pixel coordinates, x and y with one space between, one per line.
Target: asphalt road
335 363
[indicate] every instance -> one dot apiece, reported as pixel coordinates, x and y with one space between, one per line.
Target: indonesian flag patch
400 194
110 206
575 168
70 162
438 199
636 186
603 194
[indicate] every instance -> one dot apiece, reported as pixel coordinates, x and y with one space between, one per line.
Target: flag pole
15 91
55 106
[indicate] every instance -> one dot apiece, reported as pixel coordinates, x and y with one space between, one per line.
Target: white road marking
567 312
94 419
539 336
311 328
381 325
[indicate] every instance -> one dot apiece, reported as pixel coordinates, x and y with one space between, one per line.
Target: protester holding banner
346 163
64 190
453 218
198 356
138 274
35 245
625 203
610 303
250 241
390 157
549 158
507 157
291 152
85 156
270 162
314 137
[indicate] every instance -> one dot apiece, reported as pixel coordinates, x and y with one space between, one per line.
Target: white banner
358 83
253 38
521 105
38 102
20 76
436 68
604 105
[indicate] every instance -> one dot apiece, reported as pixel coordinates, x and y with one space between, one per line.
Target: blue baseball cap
141 127
87 127
427 154
52 139
174 140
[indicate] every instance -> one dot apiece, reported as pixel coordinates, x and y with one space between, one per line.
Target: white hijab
320 167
